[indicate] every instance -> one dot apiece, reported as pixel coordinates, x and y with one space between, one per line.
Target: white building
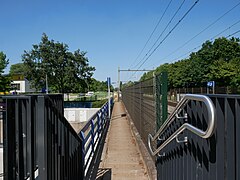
21 85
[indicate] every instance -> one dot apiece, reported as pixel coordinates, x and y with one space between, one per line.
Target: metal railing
2 111
92 134
39 143
204 134
214 158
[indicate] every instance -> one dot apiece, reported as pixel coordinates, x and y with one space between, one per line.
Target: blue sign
109 81
43 90
211 84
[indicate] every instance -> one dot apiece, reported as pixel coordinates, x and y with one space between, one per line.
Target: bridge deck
121 158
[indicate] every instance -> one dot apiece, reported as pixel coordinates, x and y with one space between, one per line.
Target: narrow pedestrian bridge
198 139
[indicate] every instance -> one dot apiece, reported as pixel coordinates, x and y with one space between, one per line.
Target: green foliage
18 68
4 80
65 71
96 85
3 62
99 104
218 61
129 83
5 84
101 95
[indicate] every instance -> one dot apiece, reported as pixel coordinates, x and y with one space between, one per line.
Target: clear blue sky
112 32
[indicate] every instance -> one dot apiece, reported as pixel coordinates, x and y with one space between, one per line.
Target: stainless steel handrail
204 134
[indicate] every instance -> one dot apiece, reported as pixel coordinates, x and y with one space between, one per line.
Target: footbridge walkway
122 158
198 139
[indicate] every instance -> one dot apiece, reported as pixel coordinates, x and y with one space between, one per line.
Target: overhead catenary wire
206 28
162 32
211 40
174 27
233 34
183 56
155 28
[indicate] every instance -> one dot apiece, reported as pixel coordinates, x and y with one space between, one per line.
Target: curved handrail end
203 134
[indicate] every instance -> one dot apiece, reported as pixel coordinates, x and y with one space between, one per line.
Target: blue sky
113 32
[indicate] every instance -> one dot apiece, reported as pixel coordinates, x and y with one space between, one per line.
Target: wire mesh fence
146 103
176 93
139 101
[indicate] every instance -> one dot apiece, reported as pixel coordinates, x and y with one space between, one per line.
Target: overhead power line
189 10
206 28
152 32
211 39
162 32
184 55
174 27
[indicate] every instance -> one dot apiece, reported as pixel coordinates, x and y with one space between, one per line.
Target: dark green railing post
164 91
157 101
161 99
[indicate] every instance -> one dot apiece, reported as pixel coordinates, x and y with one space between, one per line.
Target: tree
235 80
129 83
4 80
96 85
3 62
218 60
226 73
18 68
65 71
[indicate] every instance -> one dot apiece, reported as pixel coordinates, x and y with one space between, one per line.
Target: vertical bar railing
92 134
192 157
2 111
2 114
39 143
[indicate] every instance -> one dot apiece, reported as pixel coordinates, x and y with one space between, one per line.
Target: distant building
20 84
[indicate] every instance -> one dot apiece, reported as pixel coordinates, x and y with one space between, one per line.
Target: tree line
4 80
52 61
217 60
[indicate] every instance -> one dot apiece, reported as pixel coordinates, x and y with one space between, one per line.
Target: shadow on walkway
94 172
104 174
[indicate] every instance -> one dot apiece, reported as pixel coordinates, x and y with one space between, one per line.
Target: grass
99 103
101 95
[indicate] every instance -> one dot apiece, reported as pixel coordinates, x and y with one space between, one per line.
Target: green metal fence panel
161 99
158 102
146 103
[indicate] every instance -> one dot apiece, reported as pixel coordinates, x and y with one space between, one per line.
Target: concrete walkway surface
121 158
1 162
